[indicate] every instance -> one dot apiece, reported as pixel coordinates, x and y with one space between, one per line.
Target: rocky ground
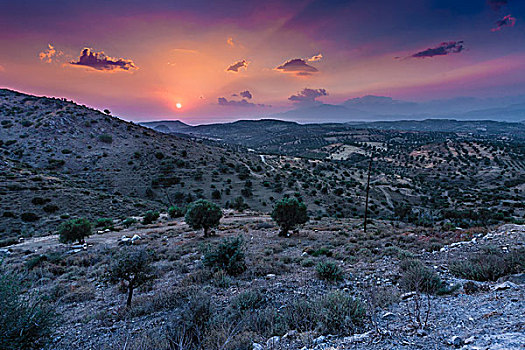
92 315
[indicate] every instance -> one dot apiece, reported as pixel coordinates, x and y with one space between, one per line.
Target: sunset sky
223 60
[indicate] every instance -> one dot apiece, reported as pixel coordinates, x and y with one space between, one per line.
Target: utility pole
368 189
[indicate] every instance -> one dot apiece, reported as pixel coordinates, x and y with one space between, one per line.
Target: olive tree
288 213
132 266
74 230
203 214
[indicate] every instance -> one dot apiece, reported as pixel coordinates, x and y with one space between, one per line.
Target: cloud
50 54
442 49
496 5
297 66
315 57
2 69
242 103
246 94
507 21
308 96
99 61
237 65
230 42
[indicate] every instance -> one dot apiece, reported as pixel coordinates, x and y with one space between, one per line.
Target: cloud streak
237 65
101 62
443 49
298 67
507 21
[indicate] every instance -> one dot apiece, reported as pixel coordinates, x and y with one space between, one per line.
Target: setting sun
178 105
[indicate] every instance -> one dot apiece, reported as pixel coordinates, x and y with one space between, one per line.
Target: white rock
273 341
319 340
135 238
257 346
505 285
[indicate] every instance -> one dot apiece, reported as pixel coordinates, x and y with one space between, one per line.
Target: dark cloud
237 65
99 61
507 21
496 5
246 94
442 49
308 96
297 66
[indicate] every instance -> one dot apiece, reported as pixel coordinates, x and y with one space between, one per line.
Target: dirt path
112 238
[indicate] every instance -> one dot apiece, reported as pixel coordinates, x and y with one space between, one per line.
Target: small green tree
288 213
203 214
132 266
74 230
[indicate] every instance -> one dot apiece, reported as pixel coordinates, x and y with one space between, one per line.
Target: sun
178 105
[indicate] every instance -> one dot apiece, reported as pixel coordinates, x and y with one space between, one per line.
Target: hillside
54 151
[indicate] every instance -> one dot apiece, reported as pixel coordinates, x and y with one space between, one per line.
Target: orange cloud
50 54
237 65
230 42
315 57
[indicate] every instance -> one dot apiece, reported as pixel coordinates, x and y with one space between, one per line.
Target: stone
273 342
257 346
291 334
505 285
407 295
388 316
517 278
470 340
135 238
456 341
319 340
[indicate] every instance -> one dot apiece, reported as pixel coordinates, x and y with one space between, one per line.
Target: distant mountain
377 108
167 126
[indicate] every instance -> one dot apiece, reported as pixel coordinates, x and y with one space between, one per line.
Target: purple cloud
297 66
442 49
237 65
308 96
507 21
242 103
246 94
99 61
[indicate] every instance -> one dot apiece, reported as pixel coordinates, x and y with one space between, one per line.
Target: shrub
339 313
25 321
132 266
105 223
150 217
29 217
50 208
415 276
39 201
203 214
74 230
129 221
239 204
329 271
105 138
288 213
227 255
248 301
175 212
489 264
